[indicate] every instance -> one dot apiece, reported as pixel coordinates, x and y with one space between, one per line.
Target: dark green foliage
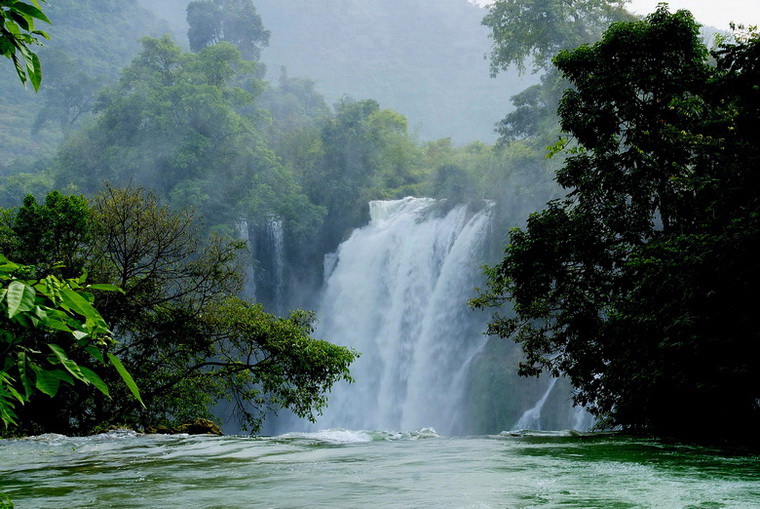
265 363
45 323
536 30
535 115
50 234
183 336
637 285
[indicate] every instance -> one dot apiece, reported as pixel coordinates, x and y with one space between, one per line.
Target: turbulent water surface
339 468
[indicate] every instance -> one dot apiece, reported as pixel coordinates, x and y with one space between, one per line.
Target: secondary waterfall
531 419
398 293
265 281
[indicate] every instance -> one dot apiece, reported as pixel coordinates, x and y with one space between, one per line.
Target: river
339 468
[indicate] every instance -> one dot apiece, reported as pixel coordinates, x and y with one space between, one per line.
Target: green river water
338 468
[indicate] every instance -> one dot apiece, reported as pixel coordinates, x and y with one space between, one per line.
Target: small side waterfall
267 242
531 419
244 232
398 293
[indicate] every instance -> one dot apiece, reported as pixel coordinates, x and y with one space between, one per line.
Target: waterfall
267 242
277 239
397 292
531 419
244 233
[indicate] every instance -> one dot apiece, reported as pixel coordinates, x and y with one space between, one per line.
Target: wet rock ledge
195 427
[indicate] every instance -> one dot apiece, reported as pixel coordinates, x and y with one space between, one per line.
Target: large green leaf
30 11
7 266
95 352
22 21
26 382
72 300
34 68
67 363
78 303
20 297
95 380
126 377
105 288
56 324
46 381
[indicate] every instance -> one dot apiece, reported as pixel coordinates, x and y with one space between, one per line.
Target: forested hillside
90 41
425 59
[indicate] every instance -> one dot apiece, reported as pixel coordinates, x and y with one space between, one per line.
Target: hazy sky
717 13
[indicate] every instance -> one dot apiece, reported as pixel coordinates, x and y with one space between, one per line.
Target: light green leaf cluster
36 318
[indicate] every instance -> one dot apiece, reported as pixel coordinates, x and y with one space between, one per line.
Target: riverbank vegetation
636 284
182 333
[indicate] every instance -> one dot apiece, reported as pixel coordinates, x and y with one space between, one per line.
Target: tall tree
530 33
233 21
635 285
538 29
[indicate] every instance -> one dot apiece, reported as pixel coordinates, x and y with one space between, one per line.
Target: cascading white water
398 293
266 281
244 233
531 418
276 233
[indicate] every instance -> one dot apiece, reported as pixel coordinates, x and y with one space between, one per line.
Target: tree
50 236
635 285
187 127
233 21
365 149
17 34
183 335
69 93
538 29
